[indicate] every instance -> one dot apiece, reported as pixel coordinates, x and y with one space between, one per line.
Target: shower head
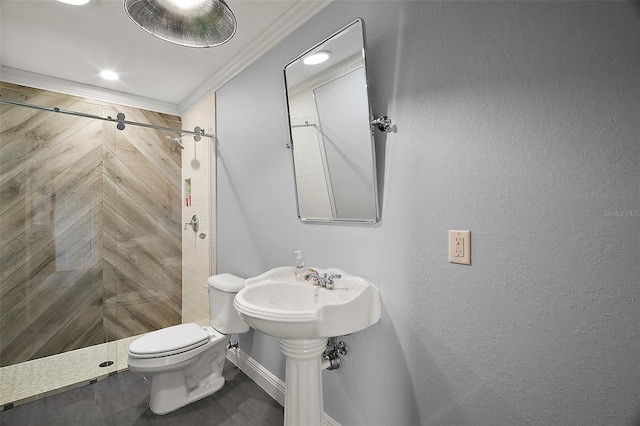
175 140
197 133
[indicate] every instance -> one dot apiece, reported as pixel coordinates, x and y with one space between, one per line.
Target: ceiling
55 46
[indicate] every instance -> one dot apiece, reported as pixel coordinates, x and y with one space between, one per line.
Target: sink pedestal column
303 382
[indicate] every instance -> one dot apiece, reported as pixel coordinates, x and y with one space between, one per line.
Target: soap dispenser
301 269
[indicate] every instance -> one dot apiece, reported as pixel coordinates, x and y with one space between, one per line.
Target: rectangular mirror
331 134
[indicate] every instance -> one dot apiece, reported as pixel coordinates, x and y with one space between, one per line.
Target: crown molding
44 82
301 12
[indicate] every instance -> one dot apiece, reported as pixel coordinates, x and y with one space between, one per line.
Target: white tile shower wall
197 252
314 194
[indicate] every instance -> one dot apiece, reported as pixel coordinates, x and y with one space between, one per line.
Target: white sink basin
278 305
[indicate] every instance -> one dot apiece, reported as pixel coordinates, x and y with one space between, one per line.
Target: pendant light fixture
190 23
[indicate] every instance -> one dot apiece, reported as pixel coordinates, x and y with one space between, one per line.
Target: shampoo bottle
187 201
301 269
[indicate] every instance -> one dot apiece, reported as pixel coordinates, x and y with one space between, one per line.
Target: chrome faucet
321 280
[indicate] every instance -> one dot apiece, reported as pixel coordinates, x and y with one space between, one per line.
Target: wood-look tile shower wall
90 225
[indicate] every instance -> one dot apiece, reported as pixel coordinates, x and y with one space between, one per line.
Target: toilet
184 362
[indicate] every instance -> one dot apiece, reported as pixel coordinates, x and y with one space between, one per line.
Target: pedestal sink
303 316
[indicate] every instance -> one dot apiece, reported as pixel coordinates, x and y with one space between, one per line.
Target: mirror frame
374 171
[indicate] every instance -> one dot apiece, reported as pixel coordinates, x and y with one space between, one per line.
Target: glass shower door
90 238
50 229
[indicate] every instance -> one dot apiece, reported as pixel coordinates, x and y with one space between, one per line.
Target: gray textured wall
516 120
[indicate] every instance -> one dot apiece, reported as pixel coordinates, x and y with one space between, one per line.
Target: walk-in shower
90 231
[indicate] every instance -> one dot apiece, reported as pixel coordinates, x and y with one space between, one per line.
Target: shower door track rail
120 120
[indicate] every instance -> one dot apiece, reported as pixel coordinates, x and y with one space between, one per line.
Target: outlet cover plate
460 247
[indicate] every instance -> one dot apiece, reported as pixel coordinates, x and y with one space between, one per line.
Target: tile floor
122 400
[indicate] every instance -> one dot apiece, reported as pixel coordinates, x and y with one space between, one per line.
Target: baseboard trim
269 382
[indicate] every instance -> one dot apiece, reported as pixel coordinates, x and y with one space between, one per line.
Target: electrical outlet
460 247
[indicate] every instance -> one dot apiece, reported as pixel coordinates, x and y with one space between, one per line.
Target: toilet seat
169 341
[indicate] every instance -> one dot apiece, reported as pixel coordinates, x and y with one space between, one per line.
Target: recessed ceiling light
317 58
109 75
74 2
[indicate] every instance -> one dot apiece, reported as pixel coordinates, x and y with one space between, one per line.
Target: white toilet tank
222 315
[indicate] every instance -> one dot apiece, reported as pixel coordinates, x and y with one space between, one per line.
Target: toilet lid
170 340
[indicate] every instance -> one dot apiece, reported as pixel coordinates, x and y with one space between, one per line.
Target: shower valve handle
193 223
